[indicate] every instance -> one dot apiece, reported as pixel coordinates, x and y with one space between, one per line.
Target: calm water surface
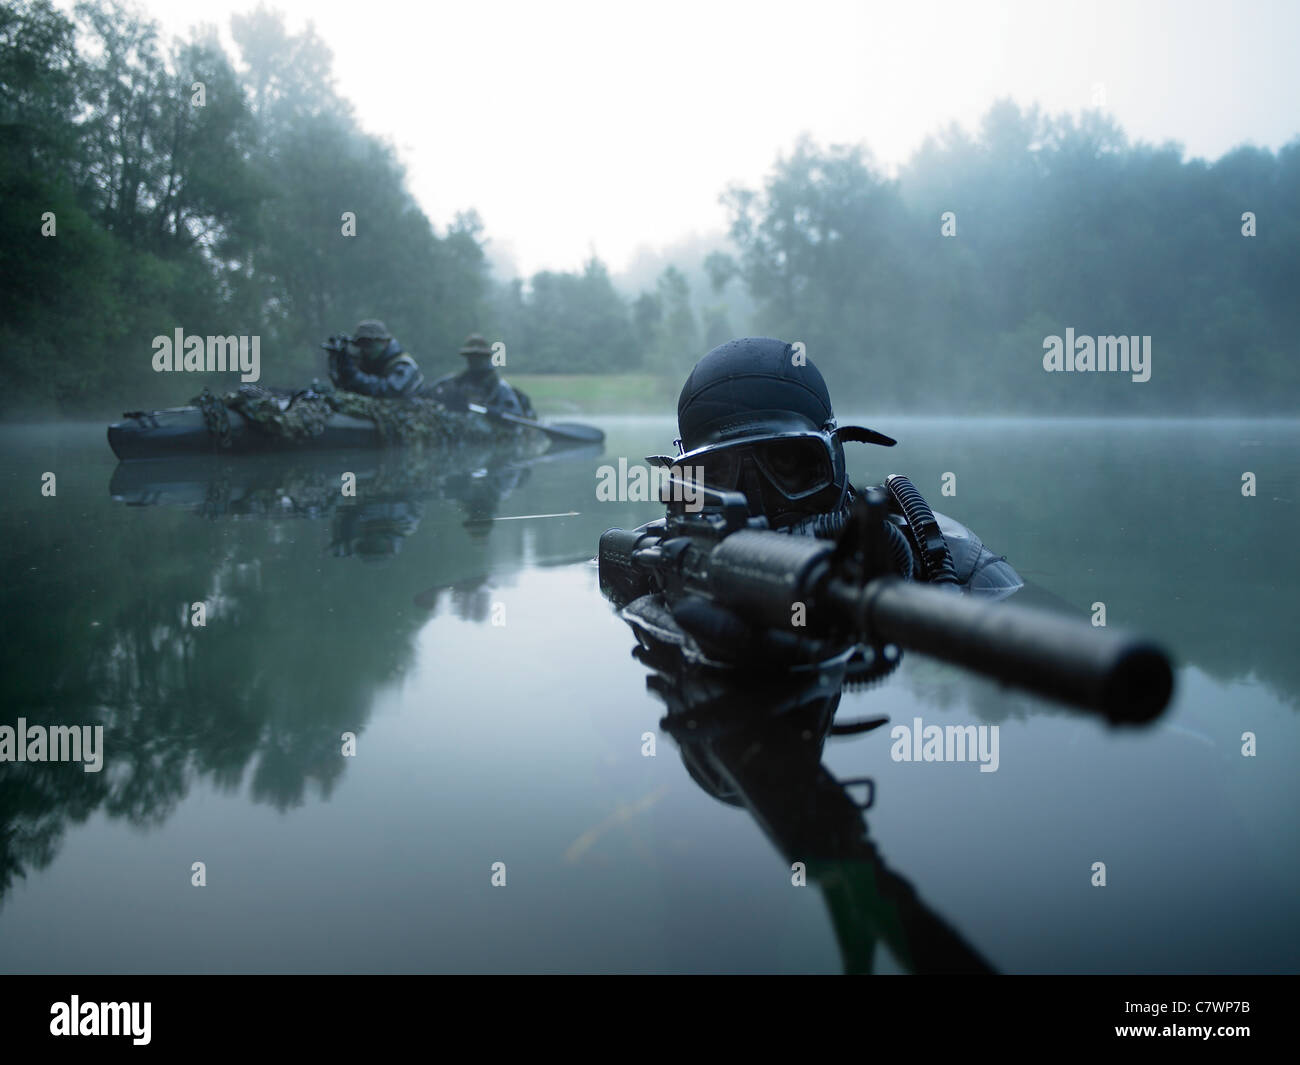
452 622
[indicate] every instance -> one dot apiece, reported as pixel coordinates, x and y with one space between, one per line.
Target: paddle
569 432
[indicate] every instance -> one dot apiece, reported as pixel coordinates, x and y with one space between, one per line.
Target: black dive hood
758 389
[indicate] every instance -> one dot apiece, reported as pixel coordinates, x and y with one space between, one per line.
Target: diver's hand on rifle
721 633
725 636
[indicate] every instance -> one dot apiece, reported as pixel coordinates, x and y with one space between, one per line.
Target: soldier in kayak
479 383
373 363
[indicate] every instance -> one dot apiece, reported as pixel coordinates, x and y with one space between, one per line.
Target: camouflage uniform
390 374
479 383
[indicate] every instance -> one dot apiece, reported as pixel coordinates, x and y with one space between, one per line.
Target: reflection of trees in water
945 688
182 704
469 600
290 657
37 803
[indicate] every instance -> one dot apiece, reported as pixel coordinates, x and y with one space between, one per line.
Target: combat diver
373 363
755 417
479 383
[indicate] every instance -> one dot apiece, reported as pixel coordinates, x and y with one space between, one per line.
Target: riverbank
566 394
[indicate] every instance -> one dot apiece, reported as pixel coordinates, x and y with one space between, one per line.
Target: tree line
146 186
937 289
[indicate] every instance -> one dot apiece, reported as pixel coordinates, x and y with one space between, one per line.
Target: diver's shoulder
978 569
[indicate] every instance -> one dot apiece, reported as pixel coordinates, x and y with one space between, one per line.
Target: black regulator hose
831 526
933 559
900 552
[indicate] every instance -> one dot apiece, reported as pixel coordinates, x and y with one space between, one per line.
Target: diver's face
785 478
371 348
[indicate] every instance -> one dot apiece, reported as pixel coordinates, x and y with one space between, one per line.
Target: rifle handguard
761 575
621 579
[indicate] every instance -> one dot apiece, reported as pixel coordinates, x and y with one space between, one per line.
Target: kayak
183 431
255 421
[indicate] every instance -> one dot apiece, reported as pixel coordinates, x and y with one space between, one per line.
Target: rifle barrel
1126 679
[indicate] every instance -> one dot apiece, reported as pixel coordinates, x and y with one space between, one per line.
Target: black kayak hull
182 431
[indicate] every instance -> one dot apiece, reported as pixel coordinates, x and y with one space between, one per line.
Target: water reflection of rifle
843 592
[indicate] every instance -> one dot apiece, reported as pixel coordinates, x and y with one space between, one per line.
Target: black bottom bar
337 1013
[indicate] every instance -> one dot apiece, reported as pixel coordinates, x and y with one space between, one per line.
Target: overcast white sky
575 127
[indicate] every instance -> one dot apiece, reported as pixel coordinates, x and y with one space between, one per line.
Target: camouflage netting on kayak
300 416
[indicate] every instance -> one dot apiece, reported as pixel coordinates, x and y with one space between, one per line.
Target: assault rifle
844 593
338 342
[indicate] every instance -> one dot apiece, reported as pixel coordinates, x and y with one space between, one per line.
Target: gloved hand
342 368
719 632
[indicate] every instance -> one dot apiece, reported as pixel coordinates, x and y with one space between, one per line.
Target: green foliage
229 218
1060 223
38 95
189 195
566 323
671 335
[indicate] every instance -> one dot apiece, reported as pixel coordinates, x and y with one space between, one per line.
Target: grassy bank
560 394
